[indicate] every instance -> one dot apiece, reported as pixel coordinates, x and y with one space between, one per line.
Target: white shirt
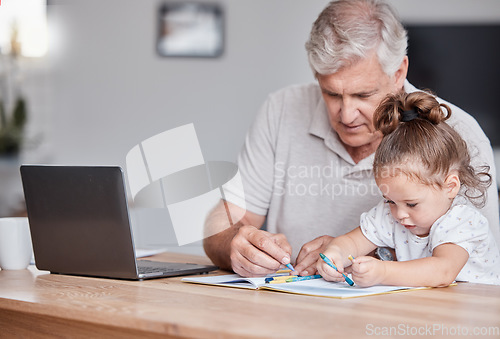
462 225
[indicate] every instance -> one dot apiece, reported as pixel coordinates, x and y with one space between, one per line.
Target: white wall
448 11
112 90
108 89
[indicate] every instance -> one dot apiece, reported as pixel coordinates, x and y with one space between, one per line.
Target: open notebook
315 287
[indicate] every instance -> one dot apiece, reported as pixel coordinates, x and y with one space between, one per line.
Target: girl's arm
437 271
353 243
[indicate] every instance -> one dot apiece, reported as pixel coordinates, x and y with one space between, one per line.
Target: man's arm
218 246
243 247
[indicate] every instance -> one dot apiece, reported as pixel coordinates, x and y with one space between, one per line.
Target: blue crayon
279 277
307 277
330 263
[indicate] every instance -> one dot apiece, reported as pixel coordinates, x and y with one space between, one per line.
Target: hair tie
409 115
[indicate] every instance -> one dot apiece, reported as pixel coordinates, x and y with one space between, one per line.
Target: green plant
12 127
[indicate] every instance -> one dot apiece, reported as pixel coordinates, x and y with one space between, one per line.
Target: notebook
314 287
80 225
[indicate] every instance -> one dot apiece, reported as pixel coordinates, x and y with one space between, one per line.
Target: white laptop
80 225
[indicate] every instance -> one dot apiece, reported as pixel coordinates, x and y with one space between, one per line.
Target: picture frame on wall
190 29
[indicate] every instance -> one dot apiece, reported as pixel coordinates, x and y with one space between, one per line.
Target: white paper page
321 287
230 280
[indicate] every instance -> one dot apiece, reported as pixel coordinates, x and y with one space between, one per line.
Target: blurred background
83 81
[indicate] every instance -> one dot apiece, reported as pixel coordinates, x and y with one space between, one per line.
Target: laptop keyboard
152 269
146 267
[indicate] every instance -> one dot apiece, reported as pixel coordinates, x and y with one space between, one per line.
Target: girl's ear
452 185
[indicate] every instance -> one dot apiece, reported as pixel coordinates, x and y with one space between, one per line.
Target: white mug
15 243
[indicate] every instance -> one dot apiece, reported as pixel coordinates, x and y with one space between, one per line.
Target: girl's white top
462 225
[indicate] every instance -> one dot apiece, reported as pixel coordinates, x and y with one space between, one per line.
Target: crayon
307 277
330 263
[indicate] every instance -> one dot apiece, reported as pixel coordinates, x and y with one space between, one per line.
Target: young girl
422 168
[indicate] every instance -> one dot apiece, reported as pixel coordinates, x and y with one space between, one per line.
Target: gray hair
347 31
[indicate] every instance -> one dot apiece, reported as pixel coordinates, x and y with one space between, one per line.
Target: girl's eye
411 205
389 201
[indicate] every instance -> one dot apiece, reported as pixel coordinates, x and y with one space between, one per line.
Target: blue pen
290 267
330 263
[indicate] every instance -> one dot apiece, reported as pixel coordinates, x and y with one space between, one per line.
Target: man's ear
452 185
400 75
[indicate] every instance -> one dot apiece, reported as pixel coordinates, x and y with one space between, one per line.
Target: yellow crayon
279 278
284 277
351 258
281 281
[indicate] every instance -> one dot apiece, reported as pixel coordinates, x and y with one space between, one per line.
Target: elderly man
307 161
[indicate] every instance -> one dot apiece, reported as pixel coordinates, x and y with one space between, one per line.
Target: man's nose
349 111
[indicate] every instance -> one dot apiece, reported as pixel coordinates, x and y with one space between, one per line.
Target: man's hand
256 253
309 254
367 271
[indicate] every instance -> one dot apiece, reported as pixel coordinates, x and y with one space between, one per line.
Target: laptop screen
79 220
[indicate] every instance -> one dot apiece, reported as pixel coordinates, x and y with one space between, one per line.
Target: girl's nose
402 214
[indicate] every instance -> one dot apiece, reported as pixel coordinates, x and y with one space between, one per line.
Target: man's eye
364 96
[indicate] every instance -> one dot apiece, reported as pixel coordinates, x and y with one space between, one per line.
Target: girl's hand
329 273
367 271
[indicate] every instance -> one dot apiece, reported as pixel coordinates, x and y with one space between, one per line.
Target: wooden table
38 304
